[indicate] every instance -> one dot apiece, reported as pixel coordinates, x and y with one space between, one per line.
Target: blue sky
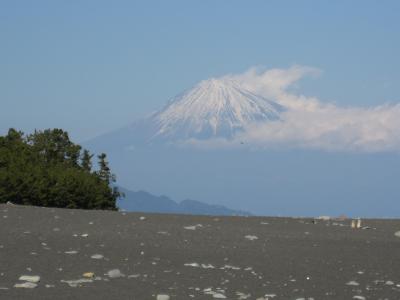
93 66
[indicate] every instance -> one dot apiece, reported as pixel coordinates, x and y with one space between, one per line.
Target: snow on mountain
213 108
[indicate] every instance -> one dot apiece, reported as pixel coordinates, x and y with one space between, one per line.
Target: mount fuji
214 108
148 155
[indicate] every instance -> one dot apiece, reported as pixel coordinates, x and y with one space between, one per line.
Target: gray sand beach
48 253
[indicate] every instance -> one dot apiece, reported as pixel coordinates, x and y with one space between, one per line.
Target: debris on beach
251 237
115 273
193 227
88 275
163 297
30 281
77 282
29 278
25 285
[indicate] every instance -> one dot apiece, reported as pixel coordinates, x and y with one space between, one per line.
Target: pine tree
104 170
86 160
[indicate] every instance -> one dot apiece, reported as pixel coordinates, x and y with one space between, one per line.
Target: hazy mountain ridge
145 202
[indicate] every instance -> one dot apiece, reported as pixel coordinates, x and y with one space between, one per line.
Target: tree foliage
47 169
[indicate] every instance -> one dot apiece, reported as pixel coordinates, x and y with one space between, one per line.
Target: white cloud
310 123
333 129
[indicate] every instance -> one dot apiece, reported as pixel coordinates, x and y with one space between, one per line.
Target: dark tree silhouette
47 169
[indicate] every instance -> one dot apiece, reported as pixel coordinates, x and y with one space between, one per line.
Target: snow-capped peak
213 108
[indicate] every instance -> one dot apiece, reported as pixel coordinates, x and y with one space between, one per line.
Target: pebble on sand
354 283
25 285
88 275
28 278
251 237
219 296
77 282
115 273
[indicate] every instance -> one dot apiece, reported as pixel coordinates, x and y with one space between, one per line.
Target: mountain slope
214 108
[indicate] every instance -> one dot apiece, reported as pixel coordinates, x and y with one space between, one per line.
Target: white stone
33 279
195 265
115 273
75 283
163 297
25 285
251 237
354 283
190 227
219 296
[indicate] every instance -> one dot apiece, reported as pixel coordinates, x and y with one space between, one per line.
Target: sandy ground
142 256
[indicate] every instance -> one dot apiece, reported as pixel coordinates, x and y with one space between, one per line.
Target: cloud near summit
311 123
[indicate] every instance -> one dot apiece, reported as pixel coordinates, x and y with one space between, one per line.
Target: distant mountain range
145 202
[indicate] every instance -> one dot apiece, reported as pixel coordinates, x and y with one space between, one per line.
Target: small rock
251 237
219 296
25 285
115 273
190 227
88 275
78 282
33 279
195 265
193 227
